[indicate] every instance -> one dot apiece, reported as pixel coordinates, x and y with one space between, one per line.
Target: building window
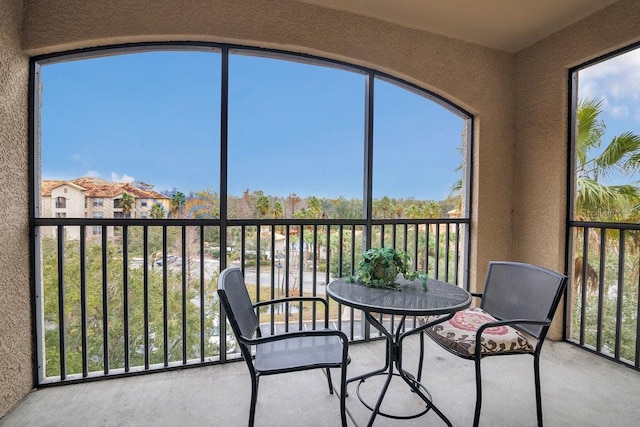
61 203
143 203
97 229
98 202
61 215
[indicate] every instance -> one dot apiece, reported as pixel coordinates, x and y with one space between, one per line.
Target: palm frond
589 128
617 154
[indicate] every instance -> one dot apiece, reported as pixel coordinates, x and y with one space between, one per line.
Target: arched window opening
177 161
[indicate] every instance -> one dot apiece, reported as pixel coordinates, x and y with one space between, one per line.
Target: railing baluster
202 302
621 256
273 277
145 292
426 249
314 278
185 266
287 260
165 299
600 289
300 275
61 304
415 246
583 305
447 252
351 272
105 302
457 256
83 302
125 294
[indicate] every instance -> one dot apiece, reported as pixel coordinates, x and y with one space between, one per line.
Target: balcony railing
141 294
603 304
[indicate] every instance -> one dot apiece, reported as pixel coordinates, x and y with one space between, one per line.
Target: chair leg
330 382
536 374
476 416
343 395
254 399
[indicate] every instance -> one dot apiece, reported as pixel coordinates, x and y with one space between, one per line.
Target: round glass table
437 304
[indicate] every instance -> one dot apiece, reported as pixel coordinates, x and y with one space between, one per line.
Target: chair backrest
522 291
237 303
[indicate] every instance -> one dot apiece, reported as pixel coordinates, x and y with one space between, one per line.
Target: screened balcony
518 92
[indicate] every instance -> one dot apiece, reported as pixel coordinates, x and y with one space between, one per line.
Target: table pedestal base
393 367
395 417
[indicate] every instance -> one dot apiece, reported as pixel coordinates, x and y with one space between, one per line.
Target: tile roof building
88 197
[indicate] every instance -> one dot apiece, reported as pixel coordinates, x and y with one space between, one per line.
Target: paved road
213 266
307 285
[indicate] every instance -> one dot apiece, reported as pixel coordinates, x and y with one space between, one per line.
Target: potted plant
379 268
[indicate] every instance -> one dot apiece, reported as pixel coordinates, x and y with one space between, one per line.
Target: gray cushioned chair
287 352
518 303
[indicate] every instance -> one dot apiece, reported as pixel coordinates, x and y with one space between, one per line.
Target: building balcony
578 389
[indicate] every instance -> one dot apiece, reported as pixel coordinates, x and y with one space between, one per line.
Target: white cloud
92 174
121 178
620 111
616 81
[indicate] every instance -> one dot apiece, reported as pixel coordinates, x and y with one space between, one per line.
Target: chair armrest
289 299
297 334
297 299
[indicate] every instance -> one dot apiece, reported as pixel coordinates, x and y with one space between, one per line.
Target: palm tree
277 210
594 199
262 204
126 203
383 207
157 211
178 201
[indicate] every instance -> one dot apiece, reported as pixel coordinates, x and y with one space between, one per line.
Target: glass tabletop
409 299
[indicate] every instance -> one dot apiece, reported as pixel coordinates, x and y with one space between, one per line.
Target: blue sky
293 127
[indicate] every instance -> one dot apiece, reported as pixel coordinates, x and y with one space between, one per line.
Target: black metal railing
603 298
125 296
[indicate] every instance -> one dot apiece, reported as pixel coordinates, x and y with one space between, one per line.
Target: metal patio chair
287 352
517 306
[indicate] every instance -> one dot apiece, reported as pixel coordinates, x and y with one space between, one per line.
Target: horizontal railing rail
603 297
126 296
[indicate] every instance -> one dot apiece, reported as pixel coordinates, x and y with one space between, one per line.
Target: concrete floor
579 389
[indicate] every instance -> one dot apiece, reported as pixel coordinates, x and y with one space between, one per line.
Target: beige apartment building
88 197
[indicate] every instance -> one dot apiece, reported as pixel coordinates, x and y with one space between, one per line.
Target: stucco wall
540 162
15 313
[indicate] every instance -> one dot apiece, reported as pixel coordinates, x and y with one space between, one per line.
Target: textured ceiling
509 25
